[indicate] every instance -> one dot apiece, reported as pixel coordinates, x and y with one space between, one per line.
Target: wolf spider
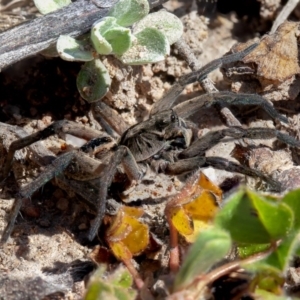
165 137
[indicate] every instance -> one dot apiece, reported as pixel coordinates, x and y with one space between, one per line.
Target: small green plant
148 40
266 233
116 286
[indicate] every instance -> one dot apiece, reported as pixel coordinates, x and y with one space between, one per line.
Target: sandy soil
47 256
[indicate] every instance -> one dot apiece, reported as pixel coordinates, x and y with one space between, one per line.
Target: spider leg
41 155
190 164
189 107
212 138
12 218
193 156
55 128
57 166
122 156
224 164
103 112
169 98
103 175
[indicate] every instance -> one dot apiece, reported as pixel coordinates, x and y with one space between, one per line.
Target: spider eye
173 118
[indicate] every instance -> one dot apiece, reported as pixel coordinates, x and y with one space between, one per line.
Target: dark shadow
77 269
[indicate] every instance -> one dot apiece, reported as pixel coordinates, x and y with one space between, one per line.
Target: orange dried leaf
202 210
119 228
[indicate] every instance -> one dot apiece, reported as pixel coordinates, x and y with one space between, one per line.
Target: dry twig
34 36
283 15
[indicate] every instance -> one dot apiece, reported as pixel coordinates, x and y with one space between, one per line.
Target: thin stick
186 52
283 15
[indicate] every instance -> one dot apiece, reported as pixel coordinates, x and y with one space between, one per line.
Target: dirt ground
47 256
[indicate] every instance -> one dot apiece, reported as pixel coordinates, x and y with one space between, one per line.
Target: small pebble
44 223
33 111
31 211
82 226
58 193
62 204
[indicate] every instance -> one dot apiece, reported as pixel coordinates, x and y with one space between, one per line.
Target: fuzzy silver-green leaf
47 6
93 81
128 12
71 49
150 46
165 22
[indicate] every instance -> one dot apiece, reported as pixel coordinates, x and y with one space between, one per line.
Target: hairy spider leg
193 157
56 127
169 98
190 164
212 138
189 107
105 114
95 191
57 165
122 156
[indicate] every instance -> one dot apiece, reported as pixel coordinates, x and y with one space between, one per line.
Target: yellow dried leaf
138 238
204 207
118 229
181 221
136 212
199 226
194 207
206 184
127 234
120 251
